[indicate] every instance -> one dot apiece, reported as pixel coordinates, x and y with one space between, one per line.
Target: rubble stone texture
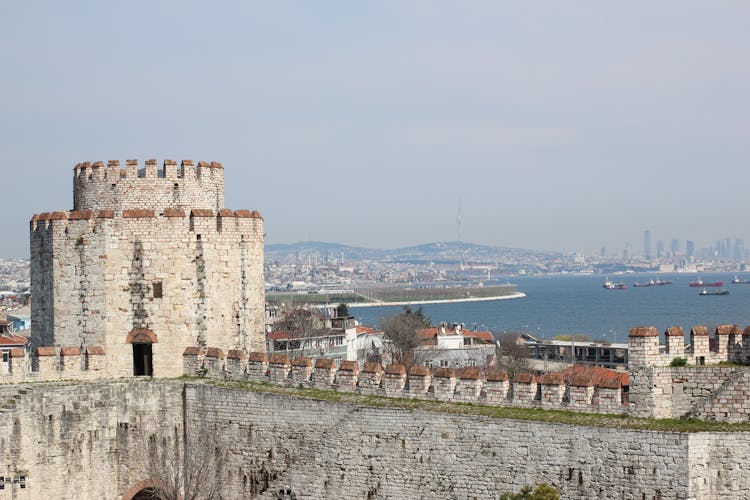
148 256
95 440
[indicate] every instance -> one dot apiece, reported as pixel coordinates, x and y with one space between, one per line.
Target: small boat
653 283
701 284
737 281
609 285
717 292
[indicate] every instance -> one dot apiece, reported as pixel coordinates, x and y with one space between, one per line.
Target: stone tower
147 263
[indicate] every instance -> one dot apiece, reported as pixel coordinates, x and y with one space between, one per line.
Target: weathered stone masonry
86 441
148 256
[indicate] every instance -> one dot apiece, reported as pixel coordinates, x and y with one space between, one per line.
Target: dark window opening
142 358
147 494
157 289
198 237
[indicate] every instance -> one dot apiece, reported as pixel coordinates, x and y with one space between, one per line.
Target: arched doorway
142 490
146 494
142 340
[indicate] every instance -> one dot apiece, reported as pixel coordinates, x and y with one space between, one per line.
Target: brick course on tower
147 263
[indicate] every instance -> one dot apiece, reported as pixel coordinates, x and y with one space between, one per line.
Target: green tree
342 310
420 315
542 492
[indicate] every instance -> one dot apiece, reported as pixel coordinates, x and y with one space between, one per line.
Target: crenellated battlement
169 169
705 388
187 185
594 394
205 220
47 364
727 343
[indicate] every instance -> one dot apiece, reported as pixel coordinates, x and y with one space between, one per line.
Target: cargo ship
701 284
609 285
653 283
717 292
737 281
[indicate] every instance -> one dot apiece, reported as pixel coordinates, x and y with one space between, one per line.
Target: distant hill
436 252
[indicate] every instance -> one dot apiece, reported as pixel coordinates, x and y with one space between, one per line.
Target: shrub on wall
678 362
542 492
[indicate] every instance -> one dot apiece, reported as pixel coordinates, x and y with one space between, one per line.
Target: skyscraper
675 246
690 248
659 248
739 248
647 243
627 253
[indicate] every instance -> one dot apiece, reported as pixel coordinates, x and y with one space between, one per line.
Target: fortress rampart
714 392
99 439
471 385
654 389
187 186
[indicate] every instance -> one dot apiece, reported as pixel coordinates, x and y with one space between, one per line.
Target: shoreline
514 295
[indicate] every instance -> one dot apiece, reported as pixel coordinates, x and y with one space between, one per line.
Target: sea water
558 305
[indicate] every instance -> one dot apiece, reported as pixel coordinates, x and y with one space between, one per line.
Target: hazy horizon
559 126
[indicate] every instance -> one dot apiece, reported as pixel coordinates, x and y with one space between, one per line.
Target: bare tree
188 469
401 334
512 357
300 325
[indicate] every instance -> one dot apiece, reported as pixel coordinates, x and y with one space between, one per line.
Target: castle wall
84 441
103 439
421 383
361 452
706 392
718 393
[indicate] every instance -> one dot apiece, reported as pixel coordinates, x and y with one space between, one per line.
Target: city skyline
364 124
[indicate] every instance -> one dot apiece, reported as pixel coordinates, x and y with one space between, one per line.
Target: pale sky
560 125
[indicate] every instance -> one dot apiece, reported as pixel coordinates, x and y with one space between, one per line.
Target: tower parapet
187 186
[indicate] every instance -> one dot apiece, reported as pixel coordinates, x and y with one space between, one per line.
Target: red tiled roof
360 329
349 366
596 375
395 369
7 339
419 371
372 367
325 363
471 373
302 361
279 359
427 333
258 357
524 378
496 376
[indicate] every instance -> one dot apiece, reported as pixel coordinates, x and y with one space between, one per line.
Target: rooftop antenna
458 220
